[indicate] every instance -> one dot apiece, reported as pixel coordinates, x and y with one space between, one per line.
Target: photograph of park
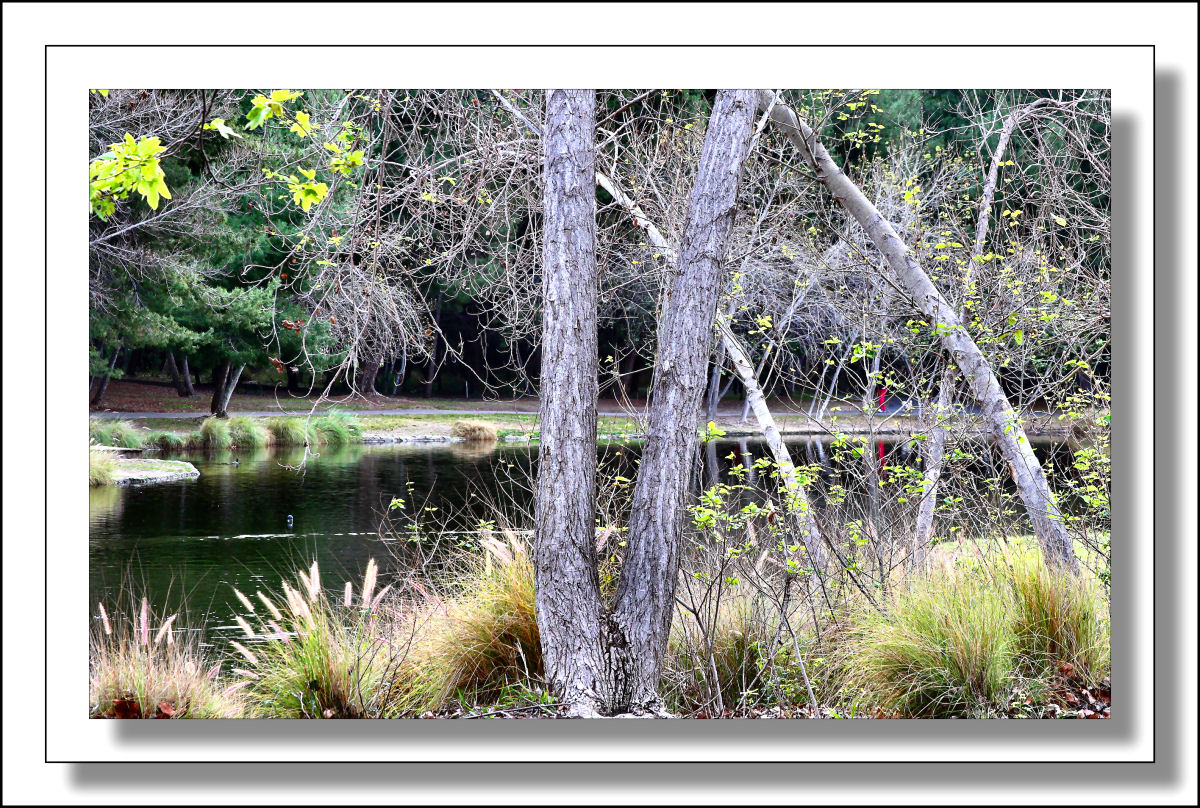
593 403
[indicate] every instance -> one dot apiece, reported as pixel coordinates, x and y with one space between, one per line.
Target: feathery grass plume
278 615
348 598
104 620
248 433
164 630
245 600
247 629
474 431
290 431
244 651
102 468
379 597
314 582
144 623
130 678
337 661
369 577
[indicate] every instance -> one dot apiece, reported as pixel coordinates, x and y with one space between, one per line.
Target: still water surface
185 545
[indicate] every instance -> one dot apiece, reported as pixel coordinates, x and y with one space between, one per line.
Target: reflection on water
184 544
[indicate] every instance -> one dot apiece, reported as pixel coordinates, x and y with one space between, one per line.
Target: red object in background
882 399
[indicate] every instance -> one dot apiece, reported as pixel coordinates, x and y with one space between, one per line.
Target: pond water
185 545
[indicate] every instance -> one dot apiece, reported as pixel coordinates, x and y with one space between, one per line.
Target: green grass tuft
115 433
289 432
102 468
336 429
214 434
248 433
166 441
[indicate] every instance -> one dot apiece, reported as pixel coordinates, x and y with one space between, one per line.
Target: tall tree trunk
645 599
176 376
1003 423
368 371
186 374
220 374
570 611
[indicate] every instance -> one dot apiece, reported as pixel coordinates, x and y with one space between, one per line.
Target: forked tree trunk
570 612
228 376
1004 425
176 376
645 599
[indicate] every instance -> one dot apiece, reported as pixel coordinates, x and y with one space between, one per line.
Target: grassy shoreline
1009 640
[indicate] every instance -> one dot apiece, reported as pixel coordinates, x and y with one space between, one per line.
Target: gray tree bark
186 373
176 376
646 591
226 379
933 453
1002 422
570 611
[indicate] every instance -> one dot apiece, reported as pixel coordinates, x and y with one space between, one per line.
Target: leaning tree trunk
569 607
646 592
102 383
797 502
934 450
1004 425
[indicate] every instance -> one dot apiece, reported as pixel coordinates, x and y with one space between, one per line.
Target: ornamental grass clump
307 654
474 431
214 434
141 666
290 431
944 644
336 429
248 433
477 634
102 468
